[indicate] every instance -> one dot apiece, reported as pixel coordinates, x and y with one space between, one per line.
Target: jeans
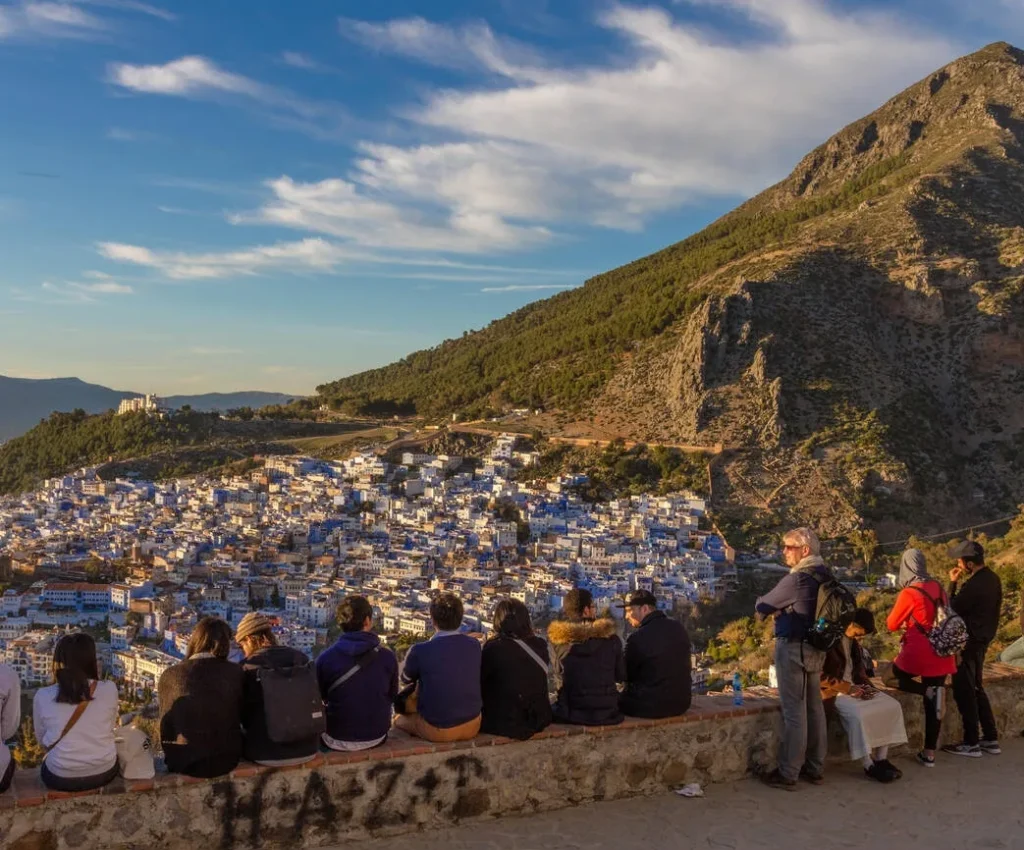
8 777
804 739
970 696
932 723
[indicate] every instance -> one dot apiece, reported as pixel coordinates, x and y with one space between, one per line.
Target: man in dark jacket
658 680
793 602
976 594
358 680
587 661
255 637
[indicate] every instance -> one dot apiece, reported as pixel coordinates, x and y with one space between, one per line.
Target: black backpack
832 614
292 704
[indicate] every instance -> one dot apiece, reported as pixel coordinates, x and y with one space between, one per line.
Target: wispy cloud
71 292
28 19
200 77
516 287
134 6
304 62
473 46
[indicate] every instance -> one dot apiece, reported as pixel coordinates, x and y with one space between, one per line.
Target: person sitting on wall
873 720
658 681
10 717
445 675
256 639
358 681
514 675
74 719
587 661
201 705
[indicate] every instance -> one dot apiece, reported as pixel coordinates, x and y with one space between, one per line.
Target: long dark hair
211 635
512 619
74 664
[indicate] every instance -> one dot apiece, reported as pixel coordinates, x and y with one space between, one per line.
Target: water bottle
737 689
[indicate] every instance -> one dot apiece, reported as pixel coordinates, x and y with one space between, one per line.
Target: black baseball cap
967 549
638 598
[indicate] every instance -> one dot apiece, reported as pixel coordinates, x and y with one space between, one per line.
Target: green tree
28 752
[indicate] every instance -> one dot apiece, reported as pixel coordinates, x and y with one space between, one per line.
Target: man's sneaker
925 761
971 751
813 778
990 747
777 780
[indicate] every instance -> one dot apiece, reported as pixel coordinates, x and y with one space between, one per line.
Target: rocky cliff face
874 360
853 334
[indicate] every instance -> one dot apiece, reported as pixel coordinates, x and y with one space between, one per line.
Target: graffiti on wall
382 794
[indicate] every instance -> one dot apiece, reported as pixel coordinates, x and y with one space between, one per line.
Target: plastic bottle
737 689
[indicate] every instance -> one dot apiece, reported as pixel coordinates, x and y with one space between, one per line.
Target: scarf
913 569
808 563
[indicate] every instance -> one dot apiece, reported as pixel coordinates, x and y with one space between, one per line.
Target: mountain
852 335
25 401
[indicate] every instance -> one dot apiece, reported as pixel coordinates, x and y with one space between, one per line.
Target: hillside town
138 563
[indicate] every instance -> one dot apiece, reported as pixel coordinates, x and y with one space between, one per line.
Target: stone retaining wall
408 784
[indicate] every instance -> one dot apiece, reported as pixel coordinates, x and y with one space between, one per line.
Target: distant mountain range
24 401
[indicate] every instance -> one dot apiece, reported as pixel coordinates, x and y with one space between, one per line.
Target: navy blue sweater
447 668
360 709
793 601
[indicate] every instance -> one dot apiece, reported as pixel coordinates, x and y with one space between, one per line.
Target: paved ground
961 803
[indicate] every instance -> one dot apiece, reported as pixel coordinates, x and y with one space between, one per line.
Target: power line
903 541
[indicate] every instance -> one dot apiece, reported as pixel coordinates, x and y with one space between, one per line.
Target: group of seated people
213 711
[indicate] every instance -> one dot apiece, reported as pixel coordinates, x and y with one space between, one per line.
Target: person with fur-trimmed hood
587 661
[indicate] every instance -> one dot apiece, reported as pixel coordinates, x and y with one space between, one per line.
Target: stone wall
408 784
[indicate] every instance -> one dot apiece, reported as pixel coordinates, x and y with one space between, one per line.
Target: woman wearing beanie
201 705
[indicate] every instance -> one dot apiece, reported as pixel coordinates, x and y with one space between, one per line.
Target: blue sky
268 194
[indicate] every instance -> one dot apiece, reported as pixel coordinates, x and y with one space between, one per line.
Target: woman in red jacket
914 612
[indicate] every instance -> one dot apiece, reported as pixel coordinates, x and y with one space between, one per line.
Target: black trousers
932 723
81 783
971 699
5 780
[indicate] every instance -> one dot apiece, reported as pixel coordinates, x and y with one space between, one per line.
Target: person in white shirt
10 717
74 719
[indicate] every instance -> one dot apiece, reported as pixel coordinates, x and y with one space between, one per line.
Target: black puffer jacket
658 682
586 663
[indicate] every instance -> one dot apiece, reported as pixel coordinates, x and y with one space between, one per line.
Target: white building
139 404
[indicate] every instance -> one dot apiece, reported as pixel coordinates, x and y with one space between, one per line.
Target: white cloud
31 19
186 76
134 6
352 211
308 254
199 77
72 292
304 62
673 114
472 46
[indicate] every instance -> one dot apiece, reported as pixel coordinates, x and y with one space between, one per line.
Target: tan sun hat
251 623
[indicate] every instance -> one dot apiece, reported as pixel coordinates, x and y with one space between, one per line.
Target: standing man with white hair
793 602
